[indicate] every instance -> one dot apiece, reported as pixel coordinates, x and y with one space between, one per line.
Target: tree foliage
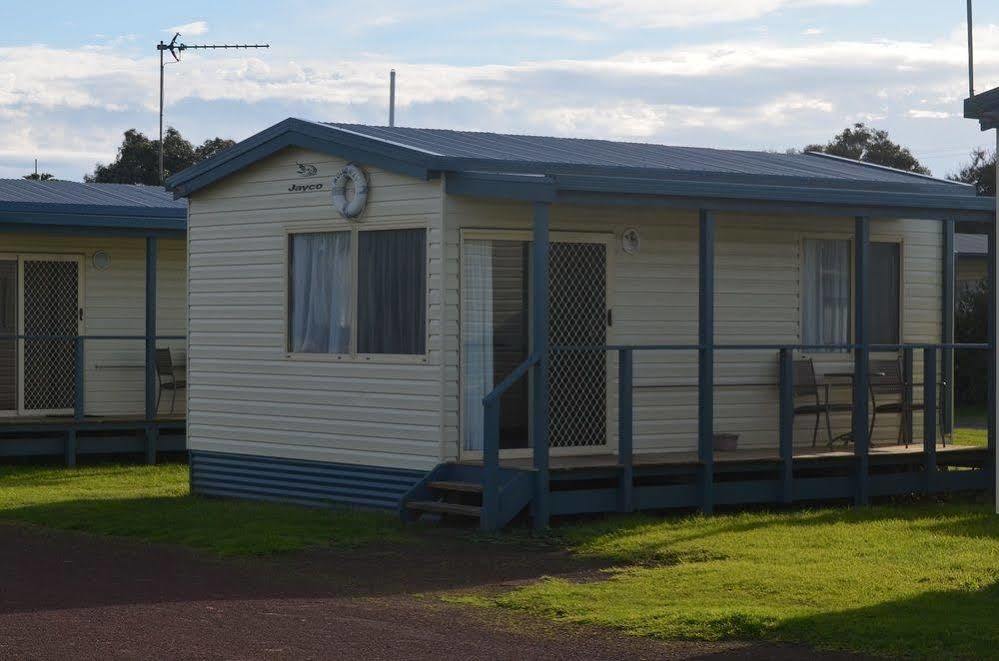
39 176
979 171
137 161
971 325
863 143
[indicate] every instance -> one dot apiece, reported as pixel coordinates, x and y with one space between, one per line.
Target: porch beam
706 358
861 357
540 249
947 329
150 360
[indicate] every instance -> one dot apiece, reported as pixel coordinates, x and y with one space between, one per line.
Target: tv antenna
176 49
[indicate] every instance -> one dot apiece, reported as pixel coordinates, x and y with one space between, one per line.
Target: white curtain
476 337
826 292
320 292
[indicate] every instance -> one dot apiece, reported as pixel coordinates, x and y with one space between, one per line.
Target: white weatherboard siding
114 304
247 395
654 296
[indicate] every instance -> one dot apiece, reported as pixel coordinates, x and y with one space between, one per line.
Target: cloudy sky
759 74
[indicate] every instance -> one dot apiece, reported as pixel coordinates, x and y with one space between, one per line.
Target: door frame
16 411
605 238
81 316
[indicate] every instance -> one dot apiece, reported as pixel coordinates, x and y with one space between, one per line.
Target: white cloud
685 13
928 114
192 29
813 32
758 92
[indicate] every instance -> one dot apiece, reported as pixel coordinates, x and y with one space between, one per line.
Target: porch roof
543 168
71 207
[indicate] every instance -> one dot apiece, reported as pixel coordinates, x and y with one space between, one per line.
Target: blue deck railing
785 385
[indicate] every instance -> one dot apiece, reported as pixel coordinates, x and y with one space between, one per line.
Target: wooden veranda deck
68 436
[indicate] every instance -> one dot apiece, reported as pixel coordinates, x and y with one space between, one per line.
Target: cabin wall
114 304
248 395
654 297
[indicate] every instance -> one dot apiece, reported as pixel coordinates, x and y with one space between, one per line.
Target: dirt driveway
73 596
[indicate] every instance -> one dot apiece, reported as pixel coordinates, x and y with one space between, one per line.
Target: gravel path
66 595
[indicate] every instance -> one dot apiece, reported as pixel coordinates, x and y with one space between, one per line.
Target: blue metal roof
586 171
55 205
540 154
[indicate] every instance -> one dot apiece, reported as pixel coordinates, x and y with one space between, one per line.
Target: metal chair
167 378
806 385
887 381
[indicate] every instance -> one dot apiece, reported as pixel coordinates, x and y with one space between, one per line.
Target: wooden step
438 507
466 487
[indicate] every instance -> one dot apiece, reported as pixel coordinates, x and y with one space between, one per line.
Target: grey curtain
391 291
825 292
320 292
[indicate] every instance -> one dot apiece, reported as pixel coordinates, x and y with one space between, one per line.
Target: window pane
825 294
391 291
319 296
885 280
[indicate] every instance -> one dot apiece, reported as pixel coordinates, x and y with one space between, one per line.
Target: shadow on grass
938 625
260 550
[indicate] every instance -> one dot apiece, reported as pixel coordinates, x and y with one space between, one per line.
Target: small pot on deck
726 442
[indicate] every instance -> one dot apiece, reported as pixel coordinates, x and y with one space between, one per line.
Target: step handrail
490 441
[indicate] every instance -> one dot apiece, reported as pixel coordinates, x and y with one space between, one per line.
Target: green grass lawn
154 503
970 436
916 580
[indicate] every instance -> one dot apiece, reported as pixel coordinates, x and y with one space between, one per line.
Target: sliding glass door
495 322
8 327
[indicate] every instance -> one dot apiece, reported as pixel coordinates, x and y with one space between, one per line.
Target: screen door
50 306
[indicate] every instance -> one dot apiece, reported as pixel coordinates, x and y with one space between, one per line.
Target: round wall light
631 241
101 260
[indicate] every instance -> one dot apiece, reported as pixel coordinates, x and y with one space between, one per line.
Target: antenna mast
175 49
392 97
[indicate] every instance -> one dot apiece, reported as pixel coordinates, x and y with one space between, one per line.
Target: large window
826 300
357 292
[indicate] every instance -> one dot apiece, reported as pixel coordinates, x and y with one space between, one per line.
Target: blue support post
489 518
625 428
786 386
79 403
908 375
990 468
540 510
930 417
150 361
861 358
947 330
706 359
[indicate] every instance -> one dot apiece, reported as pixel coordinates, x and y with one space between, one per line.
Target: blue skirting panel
314 483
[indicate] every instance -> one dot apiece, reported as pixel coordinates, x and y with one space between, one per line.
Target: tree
863 143
981 172
39 176
138 158
971 325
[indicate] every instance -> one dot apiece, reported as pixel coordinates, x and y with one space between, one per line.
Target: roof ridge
889 168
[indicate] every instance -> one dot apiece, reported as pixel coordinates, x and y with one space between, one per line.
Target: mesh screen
578 379
51 306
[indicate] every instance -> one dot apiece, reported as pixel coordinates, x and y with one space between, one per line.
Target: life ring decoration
353 208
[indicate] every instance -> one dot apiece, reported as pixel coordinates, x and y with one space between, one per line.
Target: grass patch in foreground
918 580
154 503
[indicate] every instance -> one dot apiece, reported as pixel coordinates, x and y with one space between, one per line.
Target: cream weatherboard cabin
486 325
93 319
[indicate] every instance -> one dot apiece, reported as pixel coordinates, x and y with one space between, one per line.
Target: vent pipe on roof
971 54
392 96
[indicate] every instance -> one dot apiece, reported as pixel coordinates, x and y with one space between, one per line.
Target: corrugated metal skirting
311 483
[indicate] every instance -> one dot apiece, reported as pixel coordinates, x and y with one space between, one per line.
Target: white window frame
353 356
